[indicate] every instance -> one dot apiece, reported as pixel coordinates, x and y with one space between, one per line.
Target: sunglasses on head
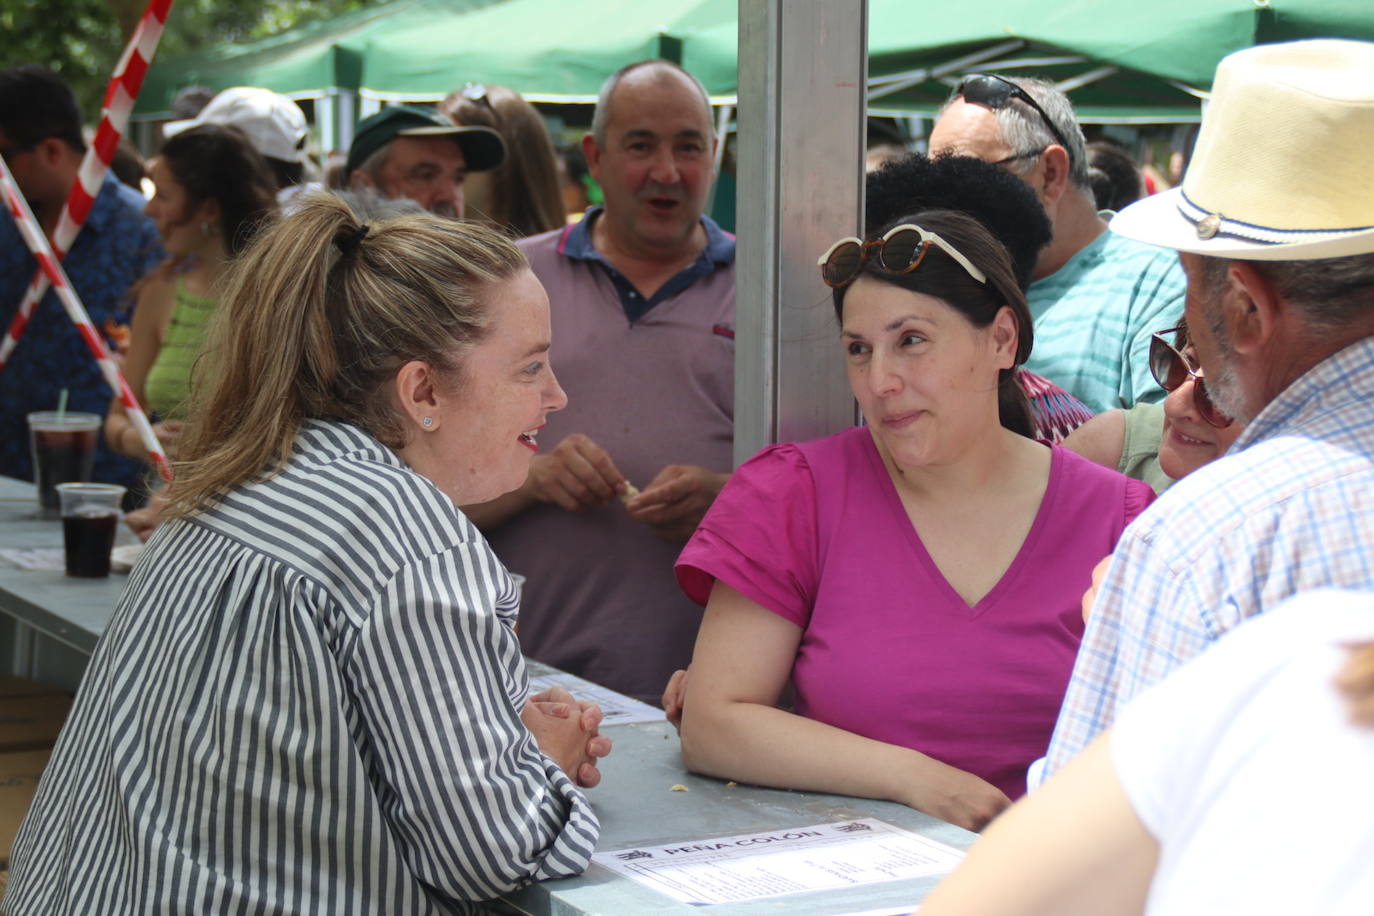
477 94
995 92
1171 369
900 251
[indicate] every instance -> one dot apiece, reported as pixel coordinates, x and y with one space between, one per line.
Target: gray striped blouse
307 702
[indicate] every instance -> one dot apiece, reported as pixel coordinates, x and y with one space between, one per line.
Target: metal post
802 74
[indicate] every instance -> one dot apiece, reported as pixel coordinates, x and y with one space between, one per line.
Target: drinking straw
61 404
48 263
120 96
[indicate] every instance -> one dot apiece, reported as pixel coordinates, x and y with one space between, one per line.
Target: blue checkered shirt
1290 508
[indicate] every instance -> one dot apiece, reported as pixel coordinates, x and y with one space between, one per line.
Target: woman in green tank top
214 191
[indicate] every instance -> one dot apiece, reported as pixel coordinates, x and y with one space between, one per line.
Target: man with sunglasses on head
1095 297
1279 256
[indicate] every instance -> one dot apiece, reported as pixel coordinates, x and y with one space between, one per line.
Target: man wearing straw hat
1275 228
40 138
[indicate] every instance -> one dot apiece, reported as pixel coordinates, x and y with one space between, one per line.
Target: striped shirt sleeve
477 809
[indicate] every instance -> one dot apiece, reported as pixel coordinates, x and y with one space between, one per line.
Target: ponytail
317 317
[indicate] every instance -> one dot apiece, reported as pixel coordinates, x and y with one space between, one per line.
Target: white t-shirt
1245 767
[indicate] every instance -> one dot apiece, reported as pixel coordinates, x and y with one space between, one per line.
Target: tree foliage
82 39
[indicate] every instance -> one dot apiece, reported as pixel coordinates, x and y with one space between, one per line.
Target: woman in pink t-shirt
918 578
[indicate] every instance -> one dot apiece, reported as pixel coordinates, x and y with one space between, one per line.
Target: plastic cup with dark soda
63 448
90 515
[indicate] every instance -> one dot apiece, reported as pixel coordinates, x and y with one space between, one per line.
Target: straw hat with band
1282 170
273 124
482 147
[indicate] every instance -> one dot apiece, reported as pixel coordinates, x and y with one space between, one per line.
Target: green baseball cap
482 147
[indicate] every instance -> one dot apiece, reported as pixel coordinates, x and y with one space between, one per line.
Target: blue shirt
1290 508
116 247
1094 316
719 251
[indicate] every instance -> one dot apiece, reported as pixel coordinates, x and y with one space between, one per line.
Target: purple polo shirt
652 382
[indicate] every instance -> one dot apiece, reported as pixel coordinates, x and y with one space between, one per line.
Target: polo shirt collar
577 240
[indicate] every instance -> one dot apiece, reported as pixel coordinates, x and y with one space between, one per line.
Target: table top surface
635 802
637 806
73 611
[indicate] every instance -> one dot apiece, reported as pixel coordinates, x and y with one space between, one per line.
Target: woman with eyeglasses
917 579
1161 443
522 195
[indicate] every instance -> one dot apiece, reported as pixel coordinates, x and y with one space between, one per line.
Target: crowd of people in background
1106 423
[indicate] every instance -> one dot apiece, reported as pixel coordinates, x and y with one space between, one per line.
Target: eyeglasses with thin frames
1171 368
900 251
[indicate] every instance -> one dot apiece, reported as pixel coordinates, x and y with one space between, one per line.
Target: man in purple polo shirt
643 294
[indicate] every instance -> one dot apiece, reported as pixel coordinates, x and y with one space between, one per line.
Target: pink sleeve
759 537
1139 495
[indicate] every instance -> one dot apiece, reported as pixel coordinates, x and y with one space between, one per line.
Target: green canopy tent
1119 62
549 50
417 50
322 61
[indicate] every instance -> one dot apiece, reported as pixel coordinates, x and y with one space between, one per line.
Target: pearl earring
427 422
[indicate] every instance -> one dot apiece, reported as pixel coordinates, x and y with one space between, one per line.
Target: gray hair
601 116
372 166
1333 293
1026 132
370 205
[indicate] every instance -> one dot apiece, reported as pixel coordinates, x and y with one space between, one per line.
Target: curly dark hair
989 193
217 162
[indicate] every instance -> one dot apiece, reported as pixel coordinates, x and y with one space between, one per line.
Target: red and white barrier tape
119 102
52 269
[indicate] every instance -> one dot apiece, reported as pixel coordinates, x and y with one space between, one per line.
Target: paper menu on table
616 708
797 860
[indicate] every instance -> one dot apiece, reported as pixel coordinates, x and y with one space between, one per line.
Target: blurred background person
272 123
580 189
213 194
189 101
1115 178
413 152
40 138
521 195
1161 443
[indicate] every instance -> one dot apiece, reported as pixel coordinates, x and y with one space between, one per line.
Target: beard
1224 385
1227 393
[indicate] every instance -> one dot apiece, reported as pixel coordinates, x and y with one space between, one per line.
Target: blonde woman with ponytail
310 698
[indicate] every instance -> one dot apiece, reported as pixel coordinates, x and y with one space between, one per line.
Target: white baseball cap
273 123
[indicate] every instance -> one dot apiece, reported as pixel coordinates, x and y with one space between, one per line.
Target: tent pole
802 69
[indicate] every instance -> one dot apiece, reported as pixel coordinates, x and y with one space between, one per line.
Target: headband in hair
350 241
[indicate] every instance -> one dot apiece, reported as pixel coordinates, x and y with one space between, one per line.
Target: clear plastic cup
63 448
90 515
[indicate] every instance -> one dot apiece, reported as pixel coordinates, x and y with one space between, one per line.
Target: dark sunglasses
1171 369
995 92
900 251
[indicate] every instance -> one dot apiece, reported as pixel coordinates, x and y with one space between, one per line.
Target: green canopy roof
1119 59
548 49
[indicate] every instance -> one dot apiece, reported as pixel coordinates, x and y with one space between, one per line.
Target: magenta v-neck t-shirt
816 533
